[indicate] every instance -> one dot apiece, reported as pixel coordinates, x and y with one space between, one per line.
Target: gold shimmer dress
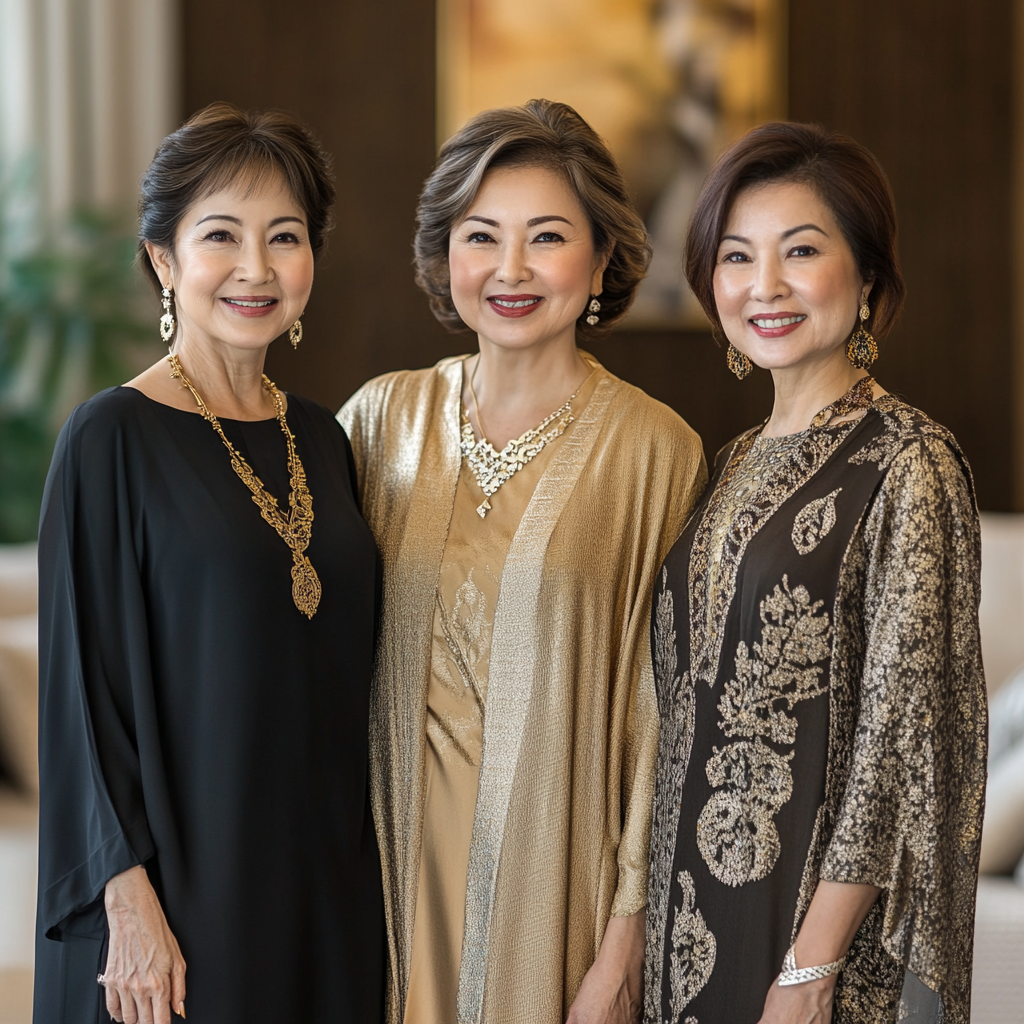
818 668
514 726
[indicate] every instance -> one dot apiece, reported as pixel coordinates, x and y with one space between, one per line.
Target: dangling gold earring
594 308
295 333
862 349
738 362
168 325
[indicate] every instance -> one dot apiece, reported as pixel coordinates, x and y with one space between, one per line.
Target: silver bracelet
793 975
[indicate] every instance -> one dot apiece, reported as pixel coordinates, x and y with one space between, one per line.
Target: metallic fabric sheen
562 825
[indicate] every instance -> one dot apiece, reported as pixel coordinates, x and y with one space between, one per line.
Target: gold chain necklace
493 468
297 528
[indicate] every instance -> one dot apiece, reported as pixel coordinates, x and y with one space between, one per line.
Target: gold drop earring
862 349
168 325
295 333
738 362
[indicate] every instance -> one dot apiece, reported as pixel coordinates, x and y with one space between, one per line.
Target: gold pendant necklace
297 528
493 468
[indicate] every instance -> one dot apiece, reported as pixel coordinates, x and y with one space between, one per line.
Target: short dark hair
542 133
844 174
221 145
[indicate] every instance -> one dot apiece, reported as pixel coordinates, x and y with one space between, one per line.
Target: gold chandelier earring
295 333
738 362
862 349
168 325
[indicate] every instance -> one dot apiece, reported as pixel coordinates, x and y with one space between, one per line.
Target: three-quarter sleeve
93 653
909 821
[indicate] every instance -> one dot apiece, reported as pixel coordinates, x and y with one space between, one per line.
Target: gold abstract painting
667 83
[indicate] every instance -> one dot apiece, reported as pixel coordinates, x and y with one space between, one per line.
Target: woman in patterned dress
815 636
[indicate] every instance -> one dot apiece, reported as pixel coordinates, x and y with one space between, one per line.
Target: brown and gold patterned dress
817 660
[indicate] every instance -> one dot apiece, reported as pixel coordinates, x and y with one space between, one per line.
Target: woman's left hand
807 1003
611 992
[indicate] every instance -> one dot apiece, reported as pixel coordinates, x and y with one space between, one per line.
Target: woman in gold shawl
816 648
523 499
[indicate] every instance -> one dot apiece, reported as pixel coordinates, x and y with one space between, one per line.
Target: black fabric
753 922
193 720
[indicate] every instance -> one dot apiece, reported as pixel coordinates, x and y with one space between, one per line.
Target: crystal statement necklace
297 528
493 468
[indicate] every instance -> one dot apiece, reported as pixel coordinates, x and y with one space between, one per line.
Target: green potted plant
72 322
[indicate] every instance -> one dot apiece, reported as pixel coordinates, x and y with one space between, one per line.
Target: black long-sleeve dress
194 721
817 657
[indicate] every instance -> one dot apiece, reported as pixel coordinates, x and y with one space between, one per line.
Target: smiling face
522 260
787 288
242 267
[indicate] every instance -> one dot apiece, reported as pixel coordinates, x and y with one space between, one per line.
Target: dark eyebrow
532 223
235 220
785 234
804 227
218 216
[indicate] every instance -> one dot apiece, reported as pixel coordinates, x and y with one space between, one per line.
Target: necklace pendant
306 589
483 508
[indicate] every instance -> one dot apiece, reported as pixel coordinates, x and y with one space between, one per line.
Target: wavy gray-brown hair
542 133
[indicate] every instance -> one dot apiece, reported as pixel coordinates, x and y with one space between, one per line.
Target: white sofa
999 938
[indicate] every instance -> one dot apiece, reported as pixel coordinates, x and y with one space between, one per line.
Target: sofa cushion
1002 840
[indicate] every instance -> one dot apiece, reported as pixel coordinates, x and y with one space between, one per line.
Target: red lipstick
514 305
796 319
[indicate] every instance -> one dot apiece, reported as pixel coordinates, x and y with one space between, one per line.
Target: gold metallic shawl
562 824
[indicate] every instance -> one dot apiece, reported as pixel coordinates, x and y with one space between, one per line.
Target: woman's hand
611 990
807 1003
145 973
832 920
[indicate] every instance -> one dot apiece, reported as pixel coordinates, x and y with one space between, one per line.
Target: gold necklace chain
493 468
297 528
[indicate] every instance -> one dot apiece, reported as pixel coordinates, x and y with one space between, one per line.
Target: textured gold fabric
562 820
898 654
467 596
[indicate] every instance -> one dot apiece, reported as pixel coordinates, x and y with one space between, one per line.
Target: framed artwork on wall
667 83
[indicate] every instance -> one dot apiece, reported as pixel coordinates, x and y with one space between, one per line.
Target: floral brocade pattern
736 833
888 536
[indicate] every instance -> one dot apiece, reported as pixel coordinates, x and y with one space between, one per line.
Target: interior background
927 85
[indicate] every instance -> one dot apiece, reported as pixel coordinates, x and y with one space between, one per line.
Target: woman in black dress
208 596
815 637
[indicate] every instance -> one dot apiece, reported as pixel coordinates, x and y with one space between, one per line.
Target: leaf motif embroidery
693 949
814 522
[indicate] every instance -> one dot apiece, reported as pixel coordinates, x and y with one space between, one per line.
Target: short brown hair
546 134
844 174
221 145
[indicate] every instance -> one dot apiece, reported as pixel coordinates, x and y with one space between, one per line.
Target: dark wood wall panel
926 84
362 76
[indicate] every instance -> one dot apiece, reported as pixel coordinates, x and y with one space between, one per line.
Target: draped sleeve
909 821
93 661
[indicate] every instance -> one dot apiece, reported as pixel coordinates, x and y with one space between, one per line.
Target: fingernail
181 1009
